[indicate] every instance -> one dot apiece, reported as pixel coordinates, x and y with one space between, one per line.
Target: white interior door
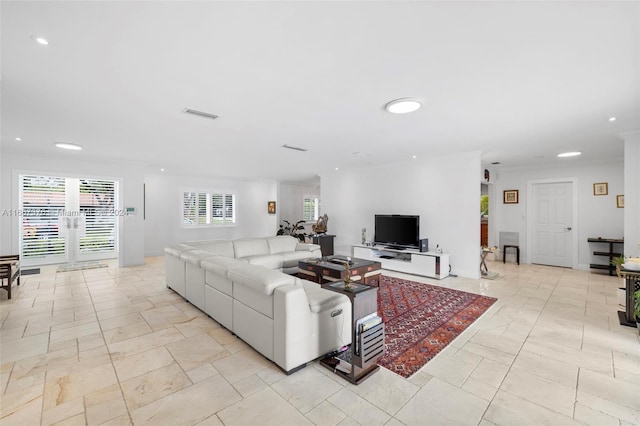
67 219
552 233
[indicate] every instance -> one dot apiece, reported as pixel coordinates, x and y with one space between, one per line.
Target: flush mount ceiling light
18 139
612 119
71 146
403 105
569 154
40 40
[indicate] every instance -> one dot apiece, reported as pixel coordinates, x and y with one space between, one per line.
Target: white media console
428 264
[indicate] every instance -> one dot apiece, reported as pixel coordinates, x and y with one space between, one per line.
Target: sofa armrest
307 247
294 336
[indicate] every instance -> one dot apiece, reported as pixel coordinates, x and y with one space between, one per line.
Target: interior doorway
484 215
67 220
553 219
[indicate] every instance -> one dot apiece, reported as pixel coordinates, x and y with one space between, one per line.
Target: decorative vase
364 235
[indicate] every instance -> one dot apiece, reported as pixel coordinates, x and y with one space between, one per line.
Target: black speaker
424 245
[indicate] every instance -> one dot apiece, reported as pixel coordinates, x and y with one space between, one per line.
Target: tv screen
402 231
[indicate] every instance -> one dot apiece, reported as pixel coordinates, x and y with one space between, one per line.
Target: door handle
567 228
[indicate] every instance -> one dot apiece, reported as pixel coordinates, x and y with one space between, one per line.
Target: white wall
129 175
598 216
444 191
290 202
163 212
632 194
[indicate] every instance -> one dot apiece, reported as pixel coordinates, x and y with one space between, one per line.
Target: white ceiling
519 81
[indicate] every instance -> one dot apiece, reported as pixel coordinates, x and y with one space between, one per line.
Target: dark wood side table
632 281
366 345
323 270
609 254
325 242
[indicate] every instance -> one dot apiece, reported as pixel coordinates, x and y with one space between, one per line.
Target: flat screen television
397 231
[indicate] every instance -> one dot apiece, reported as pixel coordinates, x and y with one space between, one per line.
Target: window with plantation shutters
97 205
310 208
42 201
207 208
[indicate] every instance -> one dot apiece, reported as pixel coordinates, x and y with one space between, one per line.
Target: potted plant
621 294
295 230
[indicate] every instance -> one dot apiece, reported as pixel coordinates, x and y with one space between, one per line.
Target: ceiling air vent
295 148
200 113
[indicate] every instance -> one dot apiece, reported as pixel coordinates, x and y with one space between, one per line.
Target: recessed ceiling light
19 139
403 105
612 119
162 170
569 154
71 146
415 156
336 168
41 40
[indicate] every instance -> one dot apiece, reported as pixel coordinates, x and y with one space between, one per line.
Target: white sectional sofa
242 284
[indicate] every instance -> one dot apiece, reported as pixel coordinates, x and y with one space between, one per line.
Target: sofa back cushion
220 248
194 257
282 244
221 265
250 247
253 286
177 249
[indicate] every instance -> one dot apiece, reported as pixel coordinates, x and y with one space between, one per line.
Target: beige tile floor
115 346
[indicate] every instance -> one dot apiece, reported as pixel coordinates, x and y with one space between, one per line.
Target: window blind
42 201
310 208
97 205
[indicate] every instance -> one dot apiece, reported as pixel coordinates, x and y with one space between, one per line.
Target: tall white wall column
631 193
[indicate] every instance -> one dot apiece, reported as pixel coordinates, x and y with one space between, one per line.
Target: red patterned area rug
421 319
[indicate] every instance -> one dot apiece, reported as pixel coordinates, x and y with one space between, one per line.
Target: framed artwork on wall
271 207
510 196
620 201
601 188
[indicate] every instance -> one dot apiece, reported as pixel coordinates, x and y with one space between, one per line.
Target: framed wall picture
271 207
510 196
601 188
620 201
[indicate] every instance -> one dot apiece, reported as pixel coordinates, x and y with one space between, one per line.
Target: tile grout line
516 357
115 372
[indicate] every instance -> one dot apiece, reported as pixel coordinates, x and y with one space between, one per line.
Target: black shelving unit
609 254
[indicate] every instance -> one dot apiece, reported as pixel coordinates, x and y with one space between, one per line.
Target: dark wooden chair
9 272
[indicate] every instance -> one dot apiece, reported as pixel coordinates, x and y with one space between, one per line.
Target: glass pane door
67 219
42 199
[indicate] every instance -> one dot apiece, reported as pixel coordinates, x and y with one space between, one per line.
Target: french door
66 220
